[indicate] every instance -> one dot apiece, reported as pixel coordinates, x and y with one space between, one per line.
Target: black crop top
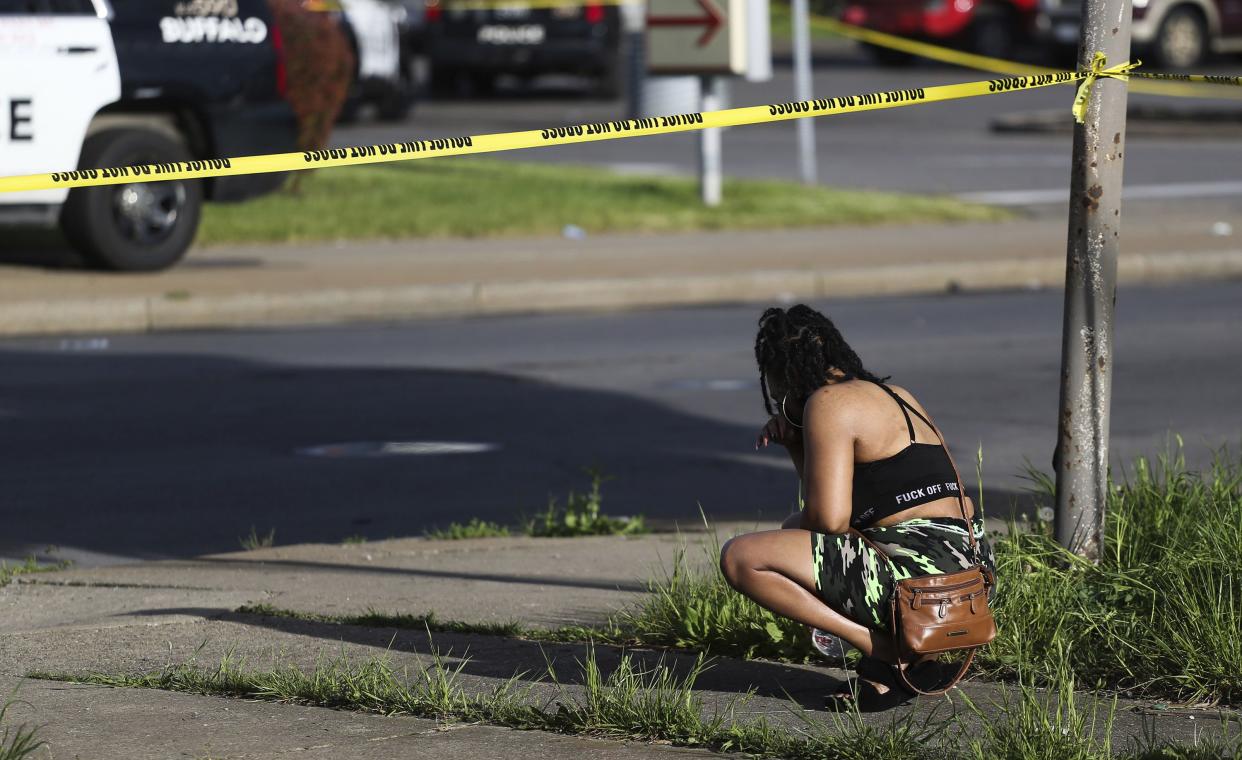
918 474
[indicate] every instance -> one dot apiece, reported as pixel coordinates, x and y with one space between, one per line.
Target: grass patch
479 198
781 25
656 703
582 515
476 528
355 540
1159 616
17 742
255 541
693 608
9 572
632 702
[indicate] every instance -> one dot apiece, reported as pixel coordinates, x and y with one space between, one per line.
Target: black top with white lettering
918 474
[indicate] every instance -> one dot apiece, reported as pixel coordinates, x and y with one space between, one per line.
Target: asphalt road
941 147
176 444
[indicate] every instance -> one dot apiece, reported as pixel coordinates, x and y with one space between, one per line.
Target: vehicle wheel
481 83
138 227
396 103
1182 40
611 81
349 110
889 58
443 81
992 34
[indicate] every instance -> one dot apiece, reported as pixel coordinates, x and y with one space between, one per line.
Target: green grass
632 702
655 703
9 572
693 608
429 622
479 198
781 21
17 742
1160 614
581 515
255 541
475 528
1159 617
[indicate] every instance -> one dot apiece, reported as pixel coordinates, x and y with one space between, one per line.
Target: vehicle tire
992 33
396 102
889 58
481 83
443 81
610 83
1182 42
140 227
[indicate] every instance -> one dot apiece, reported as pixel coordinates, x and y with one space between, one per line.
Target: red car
987 27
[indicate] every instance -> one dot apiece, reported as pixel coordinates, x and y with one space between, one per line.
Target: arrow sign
711 21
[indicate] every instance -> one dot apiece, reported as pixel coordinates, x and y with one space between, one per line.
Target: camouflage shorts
857 581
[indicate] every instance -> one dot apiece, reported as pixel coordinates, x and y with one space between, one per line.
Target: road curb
189 311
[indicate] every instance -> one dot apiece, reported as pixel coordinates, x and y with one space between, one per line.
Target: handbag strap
961 672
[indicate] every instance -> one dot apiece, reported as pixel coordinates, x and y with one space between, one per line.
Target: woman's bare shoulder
905 393
837 401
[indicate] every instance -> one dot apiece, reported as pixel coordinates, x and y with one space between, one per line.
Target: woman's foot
874 690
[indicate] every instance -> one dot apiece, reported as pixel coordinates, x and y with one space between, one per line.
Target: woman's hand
778 430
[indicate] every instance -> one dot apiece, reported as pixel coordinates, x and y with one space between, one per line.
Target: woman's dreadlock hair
800 346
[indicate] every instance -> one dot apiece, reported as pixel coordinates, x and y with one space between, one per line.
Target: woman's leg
775 569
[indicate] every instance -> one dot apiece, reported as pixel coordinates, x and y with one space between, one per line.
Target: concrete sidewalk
315 283
131 619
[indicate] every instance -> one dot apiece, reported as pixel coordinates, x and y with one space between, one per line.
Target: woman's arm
828 461
797 453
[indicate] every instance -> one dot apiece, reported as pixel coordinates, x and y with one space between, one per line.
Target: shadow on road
39 248
178 455
496 657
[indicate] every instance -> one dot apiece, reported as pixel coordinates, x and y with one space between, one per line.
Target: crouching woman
871 463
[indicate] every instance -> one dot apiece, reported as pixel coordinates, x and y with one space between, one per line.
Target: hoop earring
786 414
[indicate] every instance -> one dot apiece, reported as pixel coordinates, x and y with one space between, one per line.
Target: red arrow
712 19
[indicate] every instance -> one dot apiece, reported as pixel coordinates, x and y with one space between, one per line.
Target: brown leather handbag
932 614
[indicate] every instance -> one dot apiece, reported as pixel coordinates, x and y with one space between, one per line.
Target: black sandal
862 694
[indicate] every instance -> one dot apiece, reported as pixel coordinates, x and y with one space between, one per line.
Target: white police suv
92 83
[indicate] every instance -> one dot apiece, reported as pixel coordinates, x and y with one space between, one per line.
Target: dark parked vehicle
471 44
88 83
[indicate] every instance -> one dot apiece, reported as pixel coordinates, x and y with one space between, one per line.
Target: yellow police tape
605 130
1176 85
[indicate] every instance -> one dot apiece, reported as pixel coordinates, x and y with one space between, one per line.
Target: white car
88 84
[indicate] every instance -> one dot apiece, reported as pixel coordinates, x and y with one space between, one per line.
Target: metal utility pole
710 169
803 89
1091 285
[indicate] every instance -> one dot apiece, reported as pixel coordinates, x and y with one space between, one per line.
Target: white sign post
710 39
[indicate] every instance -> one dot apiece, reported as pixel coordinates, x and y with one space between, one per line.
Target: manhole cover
395 448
